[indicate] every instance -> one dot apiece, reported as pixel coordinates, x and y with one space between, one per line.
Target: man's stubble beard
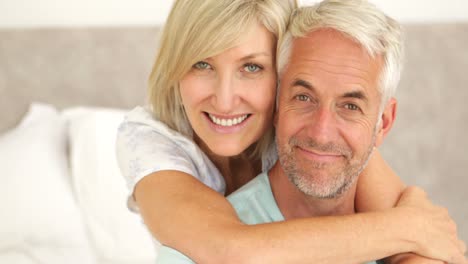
345 174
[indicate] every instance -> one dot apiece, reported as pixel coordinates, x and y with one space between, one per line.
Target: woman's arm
184 214
380 188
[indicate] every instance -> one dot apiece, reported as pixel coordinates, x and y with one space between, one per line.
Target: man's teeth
227 122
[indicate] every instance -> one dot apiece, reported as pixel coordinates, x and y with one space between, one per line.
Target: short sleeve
145 146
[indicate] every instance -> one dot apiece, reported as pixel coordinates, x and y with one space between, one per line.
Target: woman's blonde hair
199 29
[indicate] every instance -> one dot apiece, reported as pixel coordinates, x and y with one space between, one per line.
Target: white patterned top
145 145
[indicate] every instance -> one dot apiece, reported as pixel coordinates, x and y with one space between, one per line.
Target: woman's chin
228 153
227 149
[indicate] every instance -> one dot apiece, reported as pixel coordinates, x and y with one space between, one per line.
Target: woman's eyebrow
254 55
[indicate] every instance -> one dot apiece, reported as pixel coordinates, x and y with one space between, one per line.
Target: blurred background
69 70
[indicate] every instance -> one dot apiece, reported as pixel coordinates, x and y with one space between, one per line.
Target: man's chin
321 183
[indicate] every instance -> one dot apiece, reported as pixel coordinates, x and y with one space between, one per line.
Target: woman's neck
236 170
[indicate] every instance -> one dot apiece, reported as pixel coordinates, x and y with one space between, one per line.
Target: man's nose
226 96
321 125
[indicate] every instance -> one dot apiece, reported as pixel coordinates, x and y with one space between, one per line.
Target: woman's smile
227 124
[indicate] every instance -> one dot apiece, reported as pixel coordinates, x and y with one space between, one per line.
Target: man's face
327 114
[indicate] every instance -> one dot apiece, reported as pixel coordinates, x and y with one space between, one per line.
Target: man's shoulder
167 255
255 203
259 184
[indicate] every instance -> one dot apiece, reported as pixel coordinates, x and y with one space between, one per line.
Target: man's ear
387 118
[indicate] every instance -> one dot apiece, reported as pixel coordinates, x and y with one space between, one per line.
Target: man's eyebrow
303 83
357 95
353 94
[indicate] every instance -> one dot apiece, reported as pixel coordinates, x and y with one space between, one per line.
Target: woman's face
229 98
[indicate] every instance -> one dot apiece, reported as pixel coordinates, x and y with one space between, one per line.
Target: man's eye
252 68
201 65
302 97
352 107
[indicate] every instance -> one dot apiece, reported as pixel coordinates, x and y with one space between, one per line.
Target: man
339 68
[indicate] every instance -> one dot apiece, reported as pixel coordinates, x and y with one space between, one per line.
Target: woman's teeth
227 122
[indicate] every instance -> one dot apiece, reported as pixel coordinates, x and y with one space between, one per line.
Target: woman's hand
430 227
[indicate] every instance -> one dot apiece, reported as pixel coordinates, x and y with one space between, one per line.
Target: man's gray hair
359 20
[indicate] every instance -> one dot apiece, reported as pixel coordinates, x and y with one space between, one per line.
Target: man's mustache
329 147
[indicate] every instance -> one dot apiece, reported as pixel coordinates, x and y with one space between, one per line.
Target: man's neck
293 203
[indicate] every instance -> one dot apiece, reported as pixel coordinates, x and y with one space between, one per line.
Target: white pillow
117 234
37 207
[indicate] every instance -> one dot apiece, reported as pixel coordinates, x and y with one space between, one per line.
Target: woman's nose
226 95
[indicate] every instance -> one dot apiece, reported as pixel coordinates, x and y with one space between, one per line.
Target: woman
209 131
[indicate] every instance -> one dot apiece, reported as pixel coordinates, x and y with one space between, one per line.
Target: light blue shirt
254 204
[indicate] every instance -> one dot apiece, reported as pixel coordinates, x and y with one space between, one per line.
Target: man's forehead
324 38
326 50
334 47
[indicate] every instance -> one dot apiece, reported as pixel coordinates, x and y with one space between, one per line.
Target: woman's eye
252 68
201 65
302 97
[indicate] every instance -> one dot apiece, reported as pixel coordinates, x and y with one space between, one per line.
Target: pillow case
37 207
116 234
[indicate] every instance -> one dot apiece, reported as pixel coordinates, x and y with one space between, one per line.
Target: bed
64 91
